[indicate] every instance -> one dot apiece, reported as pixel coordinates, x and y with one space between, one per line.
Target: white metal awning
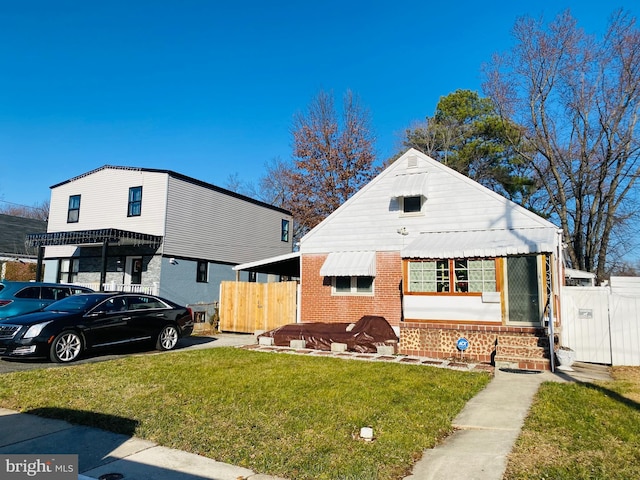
287 264
573 273
482 243
410 185
349 264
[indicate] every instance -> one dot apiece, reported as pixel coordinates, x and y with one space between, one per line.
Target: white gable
373 218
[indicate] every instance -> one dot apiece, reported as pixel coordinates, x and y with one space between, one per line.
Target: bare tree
332 159
273 186
40 211
578 99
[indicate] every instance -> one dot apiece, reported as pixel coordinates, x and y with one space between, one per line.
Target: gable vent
412 161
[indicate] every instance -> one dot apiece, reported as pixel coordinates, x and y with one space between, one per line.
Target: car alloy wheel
66 347
168 338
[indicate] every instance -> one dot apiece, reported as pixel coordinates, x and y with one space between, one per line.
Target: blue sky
209 88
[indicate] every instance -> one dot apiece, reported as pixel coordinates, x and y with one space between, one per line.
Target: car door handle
160 315
126 318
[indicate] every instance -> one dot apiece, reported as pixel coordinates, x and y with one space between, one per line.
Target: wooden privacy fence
248 306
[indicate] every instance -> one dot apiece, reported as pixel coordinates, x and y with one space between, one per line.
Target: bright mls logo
50 467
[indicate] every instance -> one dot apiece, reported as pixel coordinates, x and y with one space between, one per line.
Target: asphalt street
192 342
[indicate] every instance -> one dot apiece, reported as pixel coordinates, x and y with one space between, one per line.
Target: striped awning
349 264
409 185
482 243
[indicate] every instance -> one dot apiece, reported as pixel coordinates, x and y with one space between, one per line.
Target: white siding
206 223
104 200
370 220
446 307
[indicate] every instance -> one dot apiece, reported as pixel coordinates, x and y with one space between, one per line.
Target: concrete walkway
488 426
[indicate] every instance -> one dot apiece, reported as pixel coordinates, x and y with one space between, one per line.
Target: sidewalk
101 453
487 429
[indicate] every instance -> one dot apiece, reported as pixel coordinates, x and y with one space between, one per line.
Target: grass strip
581 431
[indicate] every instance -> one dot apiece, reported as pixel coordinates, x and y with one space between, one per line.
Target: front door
133 271
523 290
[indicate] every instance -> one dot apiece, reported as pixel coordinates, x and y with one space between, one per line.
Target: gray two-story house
157 231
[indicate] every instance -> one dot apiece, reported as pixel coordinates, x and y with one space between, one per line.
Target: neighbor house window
284 233
73 214
352 285
68 270
203 272
135 202
412 204
452 276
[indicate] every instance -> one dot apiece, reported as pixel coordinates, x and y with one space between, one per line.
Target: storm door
133 271
523 290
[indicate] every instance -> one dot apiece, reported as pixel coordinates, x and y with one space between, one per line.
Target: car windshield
75 303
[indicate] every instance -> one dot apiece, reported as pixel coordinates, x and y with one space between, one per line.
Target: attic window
412 204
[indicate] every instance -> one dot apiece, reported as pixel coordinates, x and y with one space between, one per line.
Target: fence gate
249 306
602 324
585 323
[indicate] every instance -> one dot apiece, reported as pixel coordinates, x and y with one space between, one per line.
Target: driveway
188 343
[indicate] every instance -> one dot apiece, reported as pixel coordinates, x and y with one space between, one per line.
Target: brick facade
319 305
525 347
521 346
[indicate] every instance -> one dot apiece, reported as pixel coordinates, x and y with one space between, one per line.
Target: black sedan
68 327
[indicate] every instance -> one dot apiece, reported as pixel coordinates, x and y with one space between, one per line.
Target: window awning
410 185
349 264
482 243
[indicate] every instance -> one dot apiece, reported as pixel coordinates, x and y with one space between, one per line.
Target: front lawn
289 415
582 431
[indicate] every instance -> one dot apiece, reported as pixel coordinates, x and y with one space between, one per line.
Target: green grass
288 415
581 431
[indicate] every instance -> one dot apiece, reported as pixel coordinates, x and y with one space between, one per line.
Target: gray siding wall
178 281
207 224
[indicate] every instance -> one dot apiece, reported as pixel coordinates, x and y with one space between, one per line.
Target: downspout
551 335
556 268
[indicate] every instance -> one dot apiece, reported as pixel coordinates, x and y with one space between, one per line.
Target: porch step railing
153 289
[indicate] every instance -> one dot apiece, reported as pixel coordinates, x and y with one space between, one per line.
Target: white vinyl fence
602 324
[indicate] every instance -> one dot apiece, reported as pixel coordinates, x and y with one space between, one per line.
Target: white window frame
354 287
408 214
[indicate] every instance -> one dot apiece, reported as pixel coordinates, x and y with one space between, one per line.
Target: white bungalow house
158 231
458 270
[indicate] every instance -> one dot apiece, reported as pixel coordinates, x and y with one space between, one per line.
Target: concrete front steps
525 352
